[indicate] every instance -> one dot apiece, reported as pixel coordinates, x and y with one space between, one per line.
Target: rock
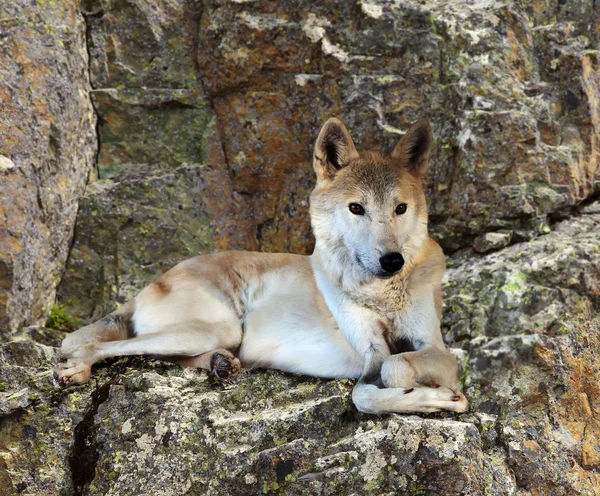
135 44
36 420
269 433
513 139
527 287
491 241
527 317
47 148
5 163
146 426
151 126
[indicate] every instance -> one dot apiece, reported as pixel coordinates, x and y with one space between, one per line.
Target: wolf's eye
356 209
401 208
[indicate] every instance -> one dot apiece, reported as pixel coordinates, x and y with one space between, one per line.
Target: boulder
47 148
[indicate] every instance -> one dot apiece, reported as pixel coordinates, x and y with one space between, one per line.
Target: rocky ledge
521 319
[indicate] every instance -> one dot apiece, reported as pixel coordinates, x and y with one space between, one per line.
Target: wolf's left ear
414 148
334 149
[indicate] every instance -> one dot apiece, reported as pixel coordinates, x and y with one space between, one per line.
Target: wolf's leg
428 366
220 362
369 397
113 327
188 339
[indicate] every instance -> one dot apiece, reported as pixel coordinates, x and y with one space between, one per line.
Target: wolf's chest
390 301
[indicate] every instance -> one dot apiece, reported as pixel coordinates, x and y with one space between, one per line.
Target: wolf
366 304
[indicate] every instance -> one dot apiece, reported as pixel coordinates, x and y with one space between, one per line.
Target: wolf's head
368 210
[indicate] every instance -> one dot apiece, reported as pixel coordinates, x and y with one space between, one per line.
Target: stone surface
527 317
149 126
491 241
47 148
137 44
522 319
511 89
146 427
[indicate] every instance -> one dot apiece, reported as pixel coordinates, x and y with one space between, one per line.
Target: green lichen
516 282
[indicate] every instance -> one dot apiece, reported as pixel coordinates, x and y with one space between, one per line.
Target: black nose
391 262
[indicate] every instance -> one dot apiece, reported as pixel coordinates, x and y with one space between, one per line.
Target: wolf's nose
391 262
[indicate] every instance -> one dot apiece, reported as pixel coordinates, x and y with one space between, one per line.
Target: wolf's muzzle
391 263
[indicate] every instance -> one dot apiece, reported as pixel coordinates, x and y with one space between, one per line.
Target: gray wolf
366 304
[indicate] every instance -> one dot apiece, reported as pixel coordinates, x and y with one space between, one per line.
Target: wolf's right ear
334 149
415 147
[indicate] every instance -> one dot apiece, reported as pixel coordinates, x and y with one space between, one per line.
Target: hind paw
72 372
224 366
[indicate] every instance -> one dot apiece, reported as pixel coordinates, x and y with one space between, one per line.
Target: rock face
527 318
511 89
47 148
530 371
242 88
206 115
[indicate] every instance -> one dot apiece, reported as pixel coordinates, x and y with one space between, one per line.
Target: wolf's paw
74 371
427 399
457 402
224 366
397 372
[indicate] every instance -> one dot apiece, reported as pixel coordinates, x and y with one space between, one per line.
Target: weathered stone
515 140
36 423
47 144
149 427
271 432
527 317
527 287
491 241
135 44
151 126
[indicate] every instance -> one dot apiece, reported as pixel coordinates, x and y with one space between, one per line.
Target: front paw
397 372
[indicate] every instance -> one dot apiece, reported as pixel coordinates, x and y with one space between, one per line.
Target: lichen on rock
47 144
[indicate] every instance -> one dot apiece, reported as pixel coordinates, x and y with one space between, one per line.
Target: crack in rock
84 454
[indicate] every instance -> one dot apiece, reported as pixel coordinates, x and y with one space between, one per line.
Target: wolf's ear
334 149
415 146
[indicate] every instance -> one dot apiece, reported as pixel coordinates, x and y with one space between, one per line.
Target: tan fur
162 286
337 313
